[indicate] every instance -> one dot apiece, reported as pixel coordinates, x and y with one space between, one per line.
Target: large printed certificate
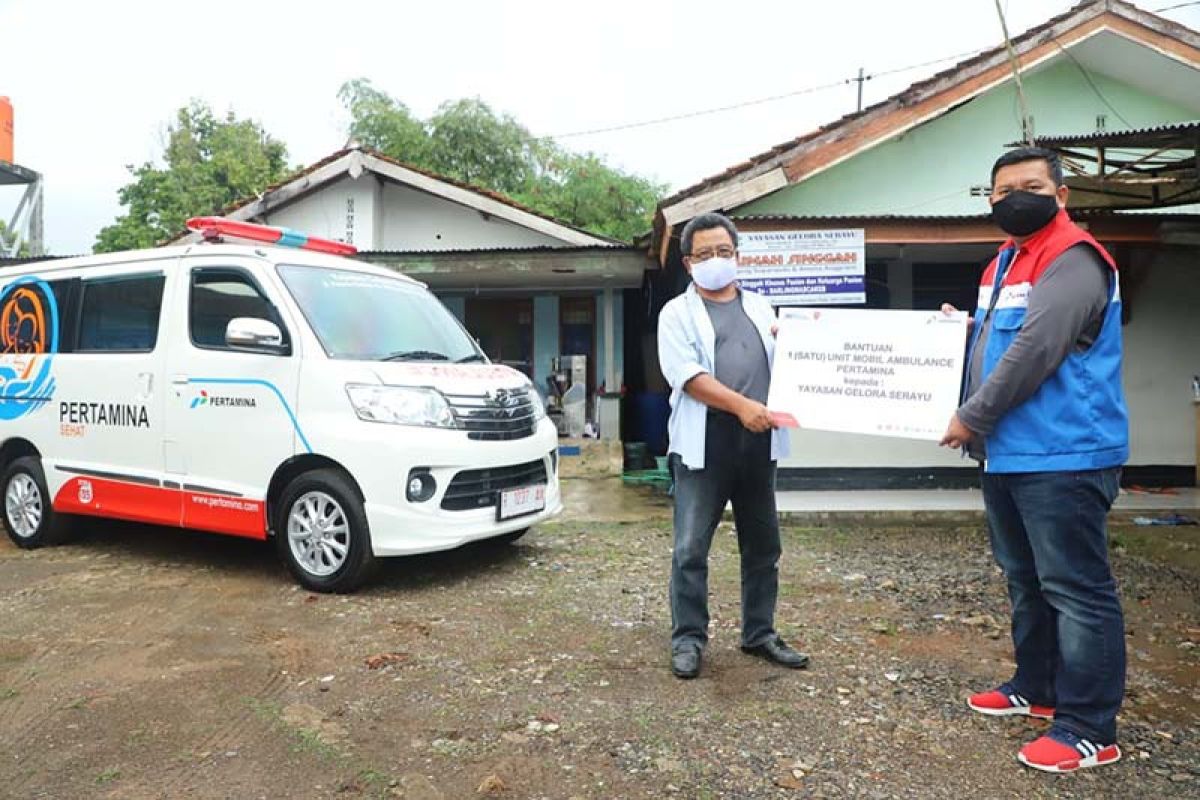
887 373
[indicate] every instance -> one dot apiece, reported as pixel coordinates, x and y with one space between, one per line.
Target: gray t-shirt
741 360
1066 310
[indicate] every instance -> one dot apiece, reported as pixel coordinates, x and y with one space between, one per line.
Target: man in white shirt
716 344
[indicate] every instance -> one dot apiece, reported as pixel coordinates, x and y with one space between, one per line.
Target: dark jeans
737 468
1048 535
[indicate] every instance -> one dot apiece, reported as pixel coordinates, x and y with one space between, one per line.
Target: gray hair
705 222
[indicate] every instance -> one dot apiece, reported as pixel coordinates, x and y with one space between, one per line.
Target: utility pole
1026 122
861 79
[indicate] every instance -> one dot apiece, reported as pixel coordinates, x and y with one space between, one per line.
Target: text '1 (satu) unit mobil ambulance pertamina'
270 389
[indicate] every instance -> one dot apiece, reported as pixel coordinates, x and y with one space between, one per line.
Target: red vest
1031 260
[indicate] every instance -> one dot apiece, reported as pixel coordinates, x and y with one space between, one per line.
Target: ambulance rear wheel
321 532
29 517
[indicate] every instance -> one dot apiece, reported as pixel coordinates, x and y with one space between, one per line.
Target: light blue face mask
715 273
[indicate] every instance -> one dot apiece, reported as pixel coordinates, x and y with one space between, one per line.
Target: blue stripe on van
258 382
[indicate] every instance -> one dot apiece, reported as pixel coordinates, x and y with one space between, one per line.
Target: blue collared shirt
686 348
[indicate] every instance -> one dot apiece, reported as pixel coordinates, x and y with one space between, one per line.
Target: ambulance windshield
363 317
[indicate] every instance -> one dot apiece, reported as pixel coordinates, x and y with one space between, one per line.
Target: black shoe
778 652
685 662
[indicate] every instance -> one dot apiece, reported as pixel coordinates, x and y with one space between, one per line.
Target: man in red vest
1044 413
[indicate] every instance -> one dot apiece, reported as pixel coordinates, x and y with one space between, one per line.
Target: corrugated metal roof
1076 213
367 255
534 250
858 217
1130 137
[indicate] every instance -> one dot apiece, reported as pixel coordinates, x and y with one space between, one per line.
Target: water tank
6 130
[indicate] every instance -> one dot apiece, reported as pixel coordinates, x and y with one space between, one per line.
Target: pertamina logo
222 401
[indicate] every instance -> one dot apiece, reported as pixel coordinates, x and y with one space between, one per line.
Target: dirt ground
148 663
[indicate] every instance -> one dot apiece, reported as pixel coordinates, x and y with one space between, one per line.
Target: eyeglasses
707 253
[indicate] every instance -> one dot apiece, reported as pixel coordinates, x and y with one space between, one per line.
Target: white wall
414 220
1162 353
343 210
379 215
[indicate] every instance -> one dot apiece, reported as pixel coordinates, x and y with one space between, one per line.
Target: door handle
146 380
180 380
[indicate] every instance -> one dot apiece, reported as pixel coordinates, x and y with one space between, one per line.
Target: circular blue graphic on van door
28 344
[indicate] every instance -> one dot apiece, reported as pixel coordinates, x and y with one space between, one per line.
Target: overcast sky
94 84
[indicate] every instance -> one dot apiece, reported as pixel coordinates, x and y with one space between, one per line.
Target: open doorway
577 333
504 329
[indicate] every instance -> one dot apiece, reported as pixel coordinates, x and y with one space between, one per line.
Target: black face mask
1023 213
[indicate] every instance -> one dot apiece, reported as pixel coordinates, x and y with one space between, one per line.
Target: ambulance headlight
539 405
401 405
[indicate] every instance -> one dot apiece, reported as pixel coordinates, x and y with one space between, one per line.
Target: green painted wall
930 169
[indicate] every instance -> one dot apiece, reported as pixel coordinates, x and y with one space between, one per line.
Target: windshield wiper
416 355
474 357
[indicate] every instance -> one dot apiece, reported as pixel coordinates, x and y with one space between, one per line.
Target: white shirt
686 348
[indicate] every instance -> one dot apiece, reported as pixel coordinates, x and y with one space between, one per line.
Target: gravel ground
147 663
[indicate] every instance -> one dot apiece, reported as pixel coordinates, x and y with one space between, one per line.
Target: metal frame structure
1148 168
26 222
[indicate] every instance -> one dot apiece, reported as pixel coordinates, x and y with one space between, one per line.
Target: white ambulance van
270 389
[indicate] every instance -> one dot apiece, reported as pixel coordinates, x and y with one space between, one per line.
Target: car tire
321 532
29 516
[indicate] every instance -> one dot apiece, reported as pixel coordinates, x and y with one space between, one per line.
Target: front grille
478 488
498 416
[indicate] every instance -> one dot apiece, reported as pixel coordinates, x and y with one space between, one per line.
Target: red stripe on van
236 516
103 497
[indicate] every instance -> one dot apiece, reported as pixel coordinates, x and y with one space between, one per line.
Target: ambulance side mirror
255 335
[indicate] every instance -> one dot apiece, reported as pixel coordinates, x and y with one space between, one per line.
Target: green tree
209 164
581 189
467 140
8 239
383 123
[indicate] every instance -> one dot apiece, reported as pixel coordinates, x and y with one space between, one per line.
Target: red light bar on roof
215 227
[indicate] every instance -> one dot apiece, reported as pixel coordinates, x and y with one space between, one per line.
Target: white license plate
517 502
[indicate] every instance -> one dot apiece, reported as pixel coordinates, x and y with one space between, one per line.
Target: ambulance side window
220 294
120 314
66 301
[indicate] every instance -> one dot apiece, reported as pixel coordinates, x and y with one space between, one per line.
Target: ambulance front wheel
321 532
29 517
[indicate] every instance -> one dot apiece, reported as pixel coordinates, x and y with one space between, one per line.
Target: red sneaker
1063 751
1005 702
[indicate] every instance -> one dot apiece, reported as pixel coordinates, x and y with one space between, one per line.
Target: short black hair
705 222
1022 154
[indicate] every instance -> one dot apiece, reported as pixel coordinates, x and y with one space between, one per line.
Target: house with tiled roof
912 173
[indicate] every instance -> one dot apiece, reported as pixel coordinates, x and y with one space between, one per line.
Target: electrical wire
1180 5
757 101
832 85
1087 77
